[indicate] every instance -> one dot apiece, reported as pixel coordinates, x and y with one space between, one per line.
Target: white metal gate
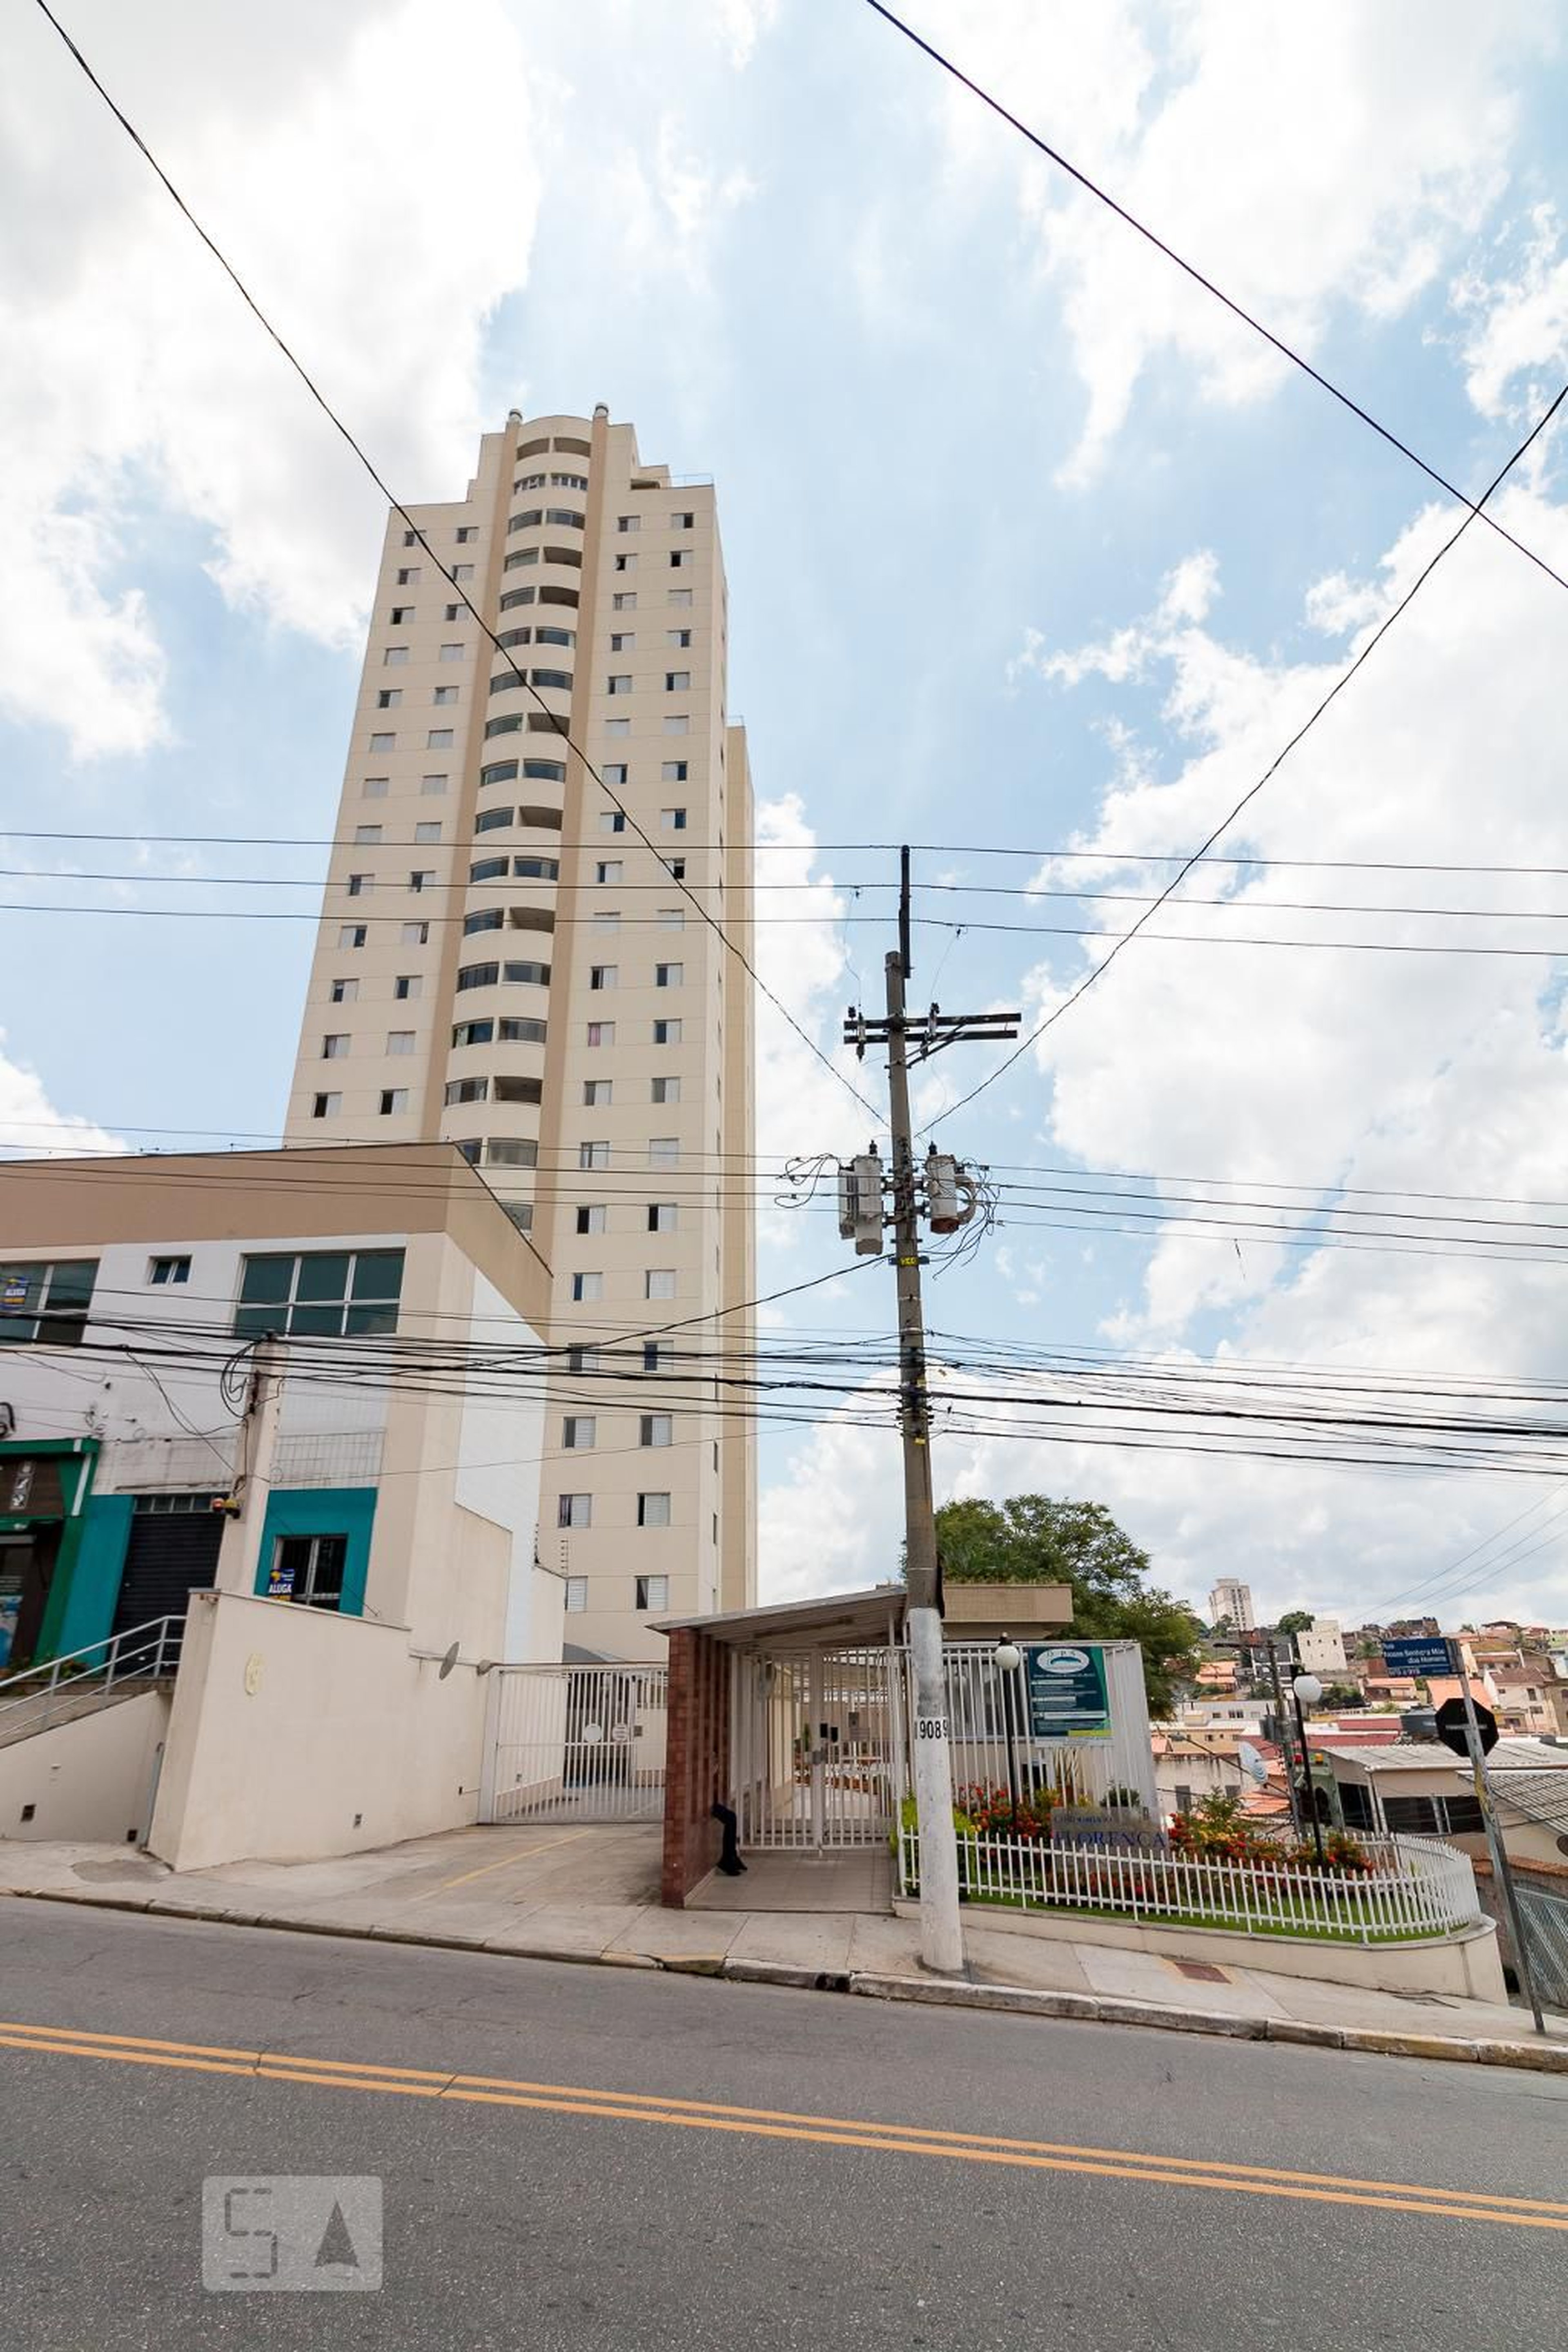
575 1743
817 1749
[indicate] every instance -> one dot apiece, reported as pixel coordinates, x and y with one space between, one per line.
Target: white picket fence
1416 1887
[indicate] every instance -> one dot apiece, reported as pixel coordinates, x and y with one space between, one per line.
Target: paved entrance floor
590 1894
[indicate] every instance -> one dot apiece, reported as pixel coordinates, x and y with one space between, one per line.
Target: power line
1285 349
1350 671
340 427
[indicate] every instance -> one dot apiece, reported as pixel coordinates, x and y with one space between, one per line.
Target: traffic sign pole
1498 1850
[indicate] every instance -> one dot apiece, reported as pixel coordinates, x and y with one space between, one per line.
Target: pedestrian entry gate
575 1743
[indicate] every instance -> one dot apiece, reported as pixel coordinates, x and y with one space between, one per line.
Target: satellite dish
447 1663
1252 1764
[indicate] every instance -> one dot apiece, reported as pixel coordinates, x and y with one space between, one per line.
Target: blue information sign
1422 1653
1065 1683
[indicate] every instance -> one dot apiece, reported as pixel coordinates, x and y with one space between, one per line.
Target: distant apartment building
540 853
1233 1600
1321 1646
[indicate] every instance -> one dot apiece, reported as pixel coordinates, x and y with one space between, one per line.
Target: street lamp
1306 1690
1008 1658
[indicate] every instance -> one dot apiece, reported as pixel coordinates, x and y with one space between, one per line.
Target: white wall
297 1734
90 1779
500 1446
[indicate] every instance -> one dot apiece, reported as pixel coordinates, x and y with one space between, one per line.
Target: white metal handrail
1416 1887
30 1700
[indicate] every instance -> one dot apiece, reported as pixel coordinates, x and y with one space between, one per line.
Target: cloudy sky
1031 548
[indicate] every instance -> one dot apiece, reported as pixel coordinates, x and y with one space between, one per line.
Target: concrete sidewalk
590 1894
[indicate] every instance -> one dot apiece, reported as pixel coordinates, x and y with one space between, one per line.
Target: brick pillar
697 1761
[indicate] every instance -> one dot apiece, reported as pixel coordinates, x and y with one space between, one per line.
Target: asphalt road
570 2202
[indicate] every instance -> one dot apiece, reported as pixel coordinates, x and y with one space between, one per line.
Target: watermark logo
291 2232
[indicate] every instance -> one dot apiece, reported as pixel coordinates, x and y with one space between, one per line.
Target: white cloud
378 232
1519 323
1304 160
30 1126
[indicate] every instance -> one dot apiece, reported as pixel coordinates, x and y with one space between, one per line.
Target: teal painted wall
86 1588
323 1511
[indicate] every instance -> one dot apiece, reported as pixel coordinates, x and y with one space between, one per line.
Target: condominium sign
1065 1683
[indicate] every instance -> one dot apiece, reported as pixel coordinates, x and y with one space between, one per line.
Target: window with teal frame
321 1295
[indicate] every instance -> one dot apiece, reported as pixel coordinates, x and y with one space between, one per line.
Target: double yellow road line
767 2123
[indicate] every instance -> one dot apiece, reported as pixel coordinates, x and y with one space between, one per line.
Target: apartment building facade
516 956
1232 1600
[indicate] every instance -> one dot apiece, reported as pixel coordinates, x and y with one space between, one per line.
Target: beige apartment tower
505 964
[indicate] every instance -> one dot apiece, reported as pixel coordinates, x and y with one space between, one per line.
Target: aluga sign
1065 1685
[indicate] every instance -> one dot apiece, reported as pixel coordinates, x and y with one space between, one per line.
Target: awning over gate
838 1621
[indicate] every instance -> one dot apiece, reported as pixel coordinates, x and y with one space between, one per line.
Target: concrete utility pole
1501 1868
239 1553
942 1935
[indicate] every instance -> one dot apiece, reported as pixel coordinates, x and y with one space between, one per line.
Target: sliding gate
575 1744
816 1752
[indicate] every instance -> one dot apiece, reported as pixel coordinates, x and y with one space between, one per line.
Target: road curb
941 1993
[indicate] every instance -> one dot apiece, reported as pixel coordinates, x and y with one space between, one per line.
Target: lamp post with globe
1008 1658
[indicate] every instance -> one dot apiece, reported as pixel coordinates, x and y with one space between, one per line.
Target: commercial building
129 1288
1233 1601
522 954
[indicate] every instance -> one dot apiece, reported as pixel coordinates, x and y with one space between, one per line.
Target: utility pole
942 1935
244 1505
1502 1870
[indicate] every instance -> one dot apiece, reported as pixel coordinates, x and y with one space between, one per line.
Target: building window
682 637
612 820
614 771
576 1595
468 533
587 1290
657 1429
343 991
681 596
409 577
309 1570
326 1106
680 560
591 1220
165 1270
666 1090
445 696
574 1510
678 723
335 1047
394 1101
628 523
462 574
468 1091
350 935
384 742
672 820
618 682
652 1355
414 935
428 828
400 617
593 1155
407 985
485 919
526 975
666 1033
473 1033
450 613
677 681
623 641
46 1304
676 869
673 772
608 870
439 738
682 521
624 600
321 1294
603 975
618 726
605 920
661 1216
423 877
596 1094
400 1040
577 1432
671 919
625 563
663 1151
493 820
360 885
669 975
601 1033
659 1282
488 870
367 835
453 653
373 788
431 788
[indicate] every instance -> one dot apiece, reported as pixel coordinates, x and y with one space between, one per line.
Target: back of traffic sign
1451 1727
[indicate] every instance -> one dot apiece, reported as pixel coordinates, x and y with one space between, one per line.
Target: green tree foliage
1032 1539
1294 1620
